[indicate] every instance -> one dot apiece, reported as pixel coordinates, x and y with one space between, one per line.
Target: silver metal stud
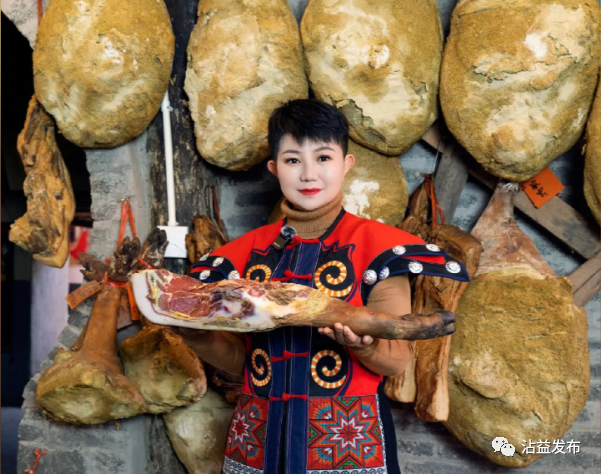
205 274
370 277
453 267
415 267
384 273
433 248
204 257
218 261
233 275
399 250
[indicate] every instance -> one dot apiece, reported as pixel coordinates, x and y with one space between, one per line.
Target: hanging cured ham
101 68
519 362
592 167
425 381
518 79
371 60
44 229
244 61
247 305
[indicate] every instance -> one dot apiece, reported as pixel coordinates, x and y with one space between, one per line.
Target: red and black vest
308 405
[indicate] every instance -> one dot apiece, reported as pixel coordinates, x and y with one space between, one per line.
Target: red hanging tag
543 187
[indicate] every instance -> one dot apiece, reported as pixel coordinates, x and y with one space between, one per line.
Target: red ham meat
246 306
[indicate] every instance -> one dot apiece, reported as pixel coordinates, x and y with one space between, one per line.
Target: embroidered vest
308 405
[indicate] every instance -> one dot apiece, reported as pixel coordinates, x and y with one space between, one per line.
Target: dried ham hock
367 58
86 384
163 369
44 230
101 68
244 60
249 306
592 166
435 293
518 79
426 380
519 362
156 361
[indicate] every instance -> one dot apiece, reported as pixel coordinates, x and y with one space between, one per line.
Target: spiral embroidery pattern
325 371
260 369
266 271
342 274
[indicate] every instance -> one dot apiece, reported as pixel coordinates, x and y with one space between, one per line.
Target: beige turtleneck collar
312 224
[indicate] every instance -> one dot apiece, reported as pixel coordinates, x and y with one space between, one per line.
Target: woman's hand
361 345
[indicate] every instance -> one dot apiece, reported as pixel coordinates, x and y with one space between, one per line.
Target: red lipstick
309 191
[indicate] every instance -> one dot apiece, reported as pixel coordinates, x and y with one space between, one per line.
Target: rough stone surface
372 61
101 75
518 79
508 373
592 167
244 60
198 433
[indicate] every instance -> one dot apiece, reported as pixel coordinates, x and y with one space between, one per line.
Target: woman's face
311 174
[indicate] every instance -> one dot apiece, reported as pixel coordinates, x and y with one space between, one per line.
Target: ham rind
249 306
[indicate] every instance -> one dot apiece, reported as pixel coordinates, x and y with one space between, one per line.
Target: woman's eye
324 158
291 160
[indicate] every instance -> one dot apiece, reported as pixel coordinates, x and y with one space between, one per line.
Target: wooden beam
586 280
451 176
559 218
190 172
433 137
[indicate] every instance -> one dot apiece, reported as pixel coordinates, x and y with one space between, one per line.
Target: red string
126 213
289 355
113 283
297 240
288 275
39 12
436 209
38 455
286 397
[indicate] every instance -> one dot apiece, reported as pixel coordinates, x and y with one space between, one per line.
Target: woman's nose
309 172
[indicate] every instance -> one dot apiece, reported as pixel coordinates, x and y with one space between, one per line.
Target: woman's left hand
345 336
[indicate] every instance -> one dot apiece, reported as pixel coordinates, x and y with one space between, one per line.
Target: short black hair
307 119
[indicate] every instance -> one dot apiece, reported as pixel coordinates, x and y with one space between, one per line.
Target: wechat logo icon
503 445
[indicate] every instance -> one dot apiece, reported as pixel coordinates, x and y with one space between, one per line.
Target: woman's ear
349 162
272 167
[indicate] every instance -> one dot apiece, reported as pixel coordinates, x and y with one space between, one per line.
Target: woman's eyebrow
321 148
291 151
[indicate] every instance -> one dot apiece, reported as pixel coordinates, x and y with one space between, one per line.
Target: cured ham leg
432 365
249 306
427 377
519 362
86 384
